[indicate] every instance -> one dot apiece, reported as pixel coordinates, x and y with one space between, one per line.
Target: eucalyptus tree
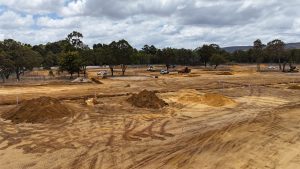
276 50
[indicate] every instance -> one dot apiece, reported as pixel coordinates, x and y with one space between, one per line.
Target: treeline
272 52
72 55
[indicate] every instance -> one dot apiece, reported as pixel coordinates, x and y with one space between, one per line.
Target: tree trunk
3 78
168 66
279 62
124 67
18 74
71 77
84 71
258 67
111 70
283 68
291 67
216 66
7 75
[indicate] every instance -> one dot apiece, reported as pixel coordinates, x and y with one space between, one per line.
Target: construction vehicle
293 69
185 70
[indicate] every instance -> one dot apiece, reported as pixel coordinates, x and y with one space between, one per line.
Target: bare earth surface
247 120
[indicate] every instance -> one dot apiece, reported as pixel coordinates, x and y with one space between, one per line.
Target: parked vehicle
150 68
102 73
164 72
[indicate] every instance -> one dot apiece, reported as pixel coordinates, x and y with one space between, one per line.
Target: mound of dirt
210 99
294 87
224 73
147 99
38 110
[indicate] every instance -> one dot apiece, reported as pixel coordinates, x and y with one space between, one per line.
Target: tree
85 59
149 49
49 58
22 56
167 55
293 55
140 57
276 49
216 60
70 62
258 51
57 47
148 55
74 39
206 52
25 59
6 66
120 53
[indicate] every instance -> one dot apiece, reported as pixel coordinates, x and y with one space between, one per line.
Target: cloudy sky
164 23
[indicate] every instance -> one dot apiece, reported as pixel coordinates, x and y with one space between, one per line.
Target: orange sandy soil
256 124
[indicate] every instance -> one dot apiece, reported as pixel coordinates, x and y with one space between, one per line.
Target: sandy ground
261 129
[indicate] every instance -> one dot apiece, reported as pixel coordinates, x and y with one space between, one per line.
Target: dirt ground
254 125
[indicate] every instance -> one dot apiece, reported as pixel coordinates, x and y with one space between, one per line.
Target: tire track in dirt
182 152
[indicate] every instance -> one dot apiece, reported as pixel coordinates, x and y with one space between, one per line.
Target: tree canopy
73 55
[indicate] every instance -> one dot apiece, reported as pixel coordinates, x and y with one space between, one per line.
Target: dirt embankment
147 99
295 87
38 110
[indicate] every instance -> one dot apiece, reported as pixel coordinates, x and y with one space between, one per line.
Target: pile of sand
210 99
294 87
190 98
38 111
147 99
216 100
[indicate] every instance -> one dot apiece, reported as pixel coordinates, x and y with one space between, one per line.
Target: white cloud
74 8
34 6
175 23
67 23
12 20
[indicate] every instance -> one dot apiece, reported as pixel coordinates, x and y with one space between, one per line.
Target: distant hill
293 45
232 49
